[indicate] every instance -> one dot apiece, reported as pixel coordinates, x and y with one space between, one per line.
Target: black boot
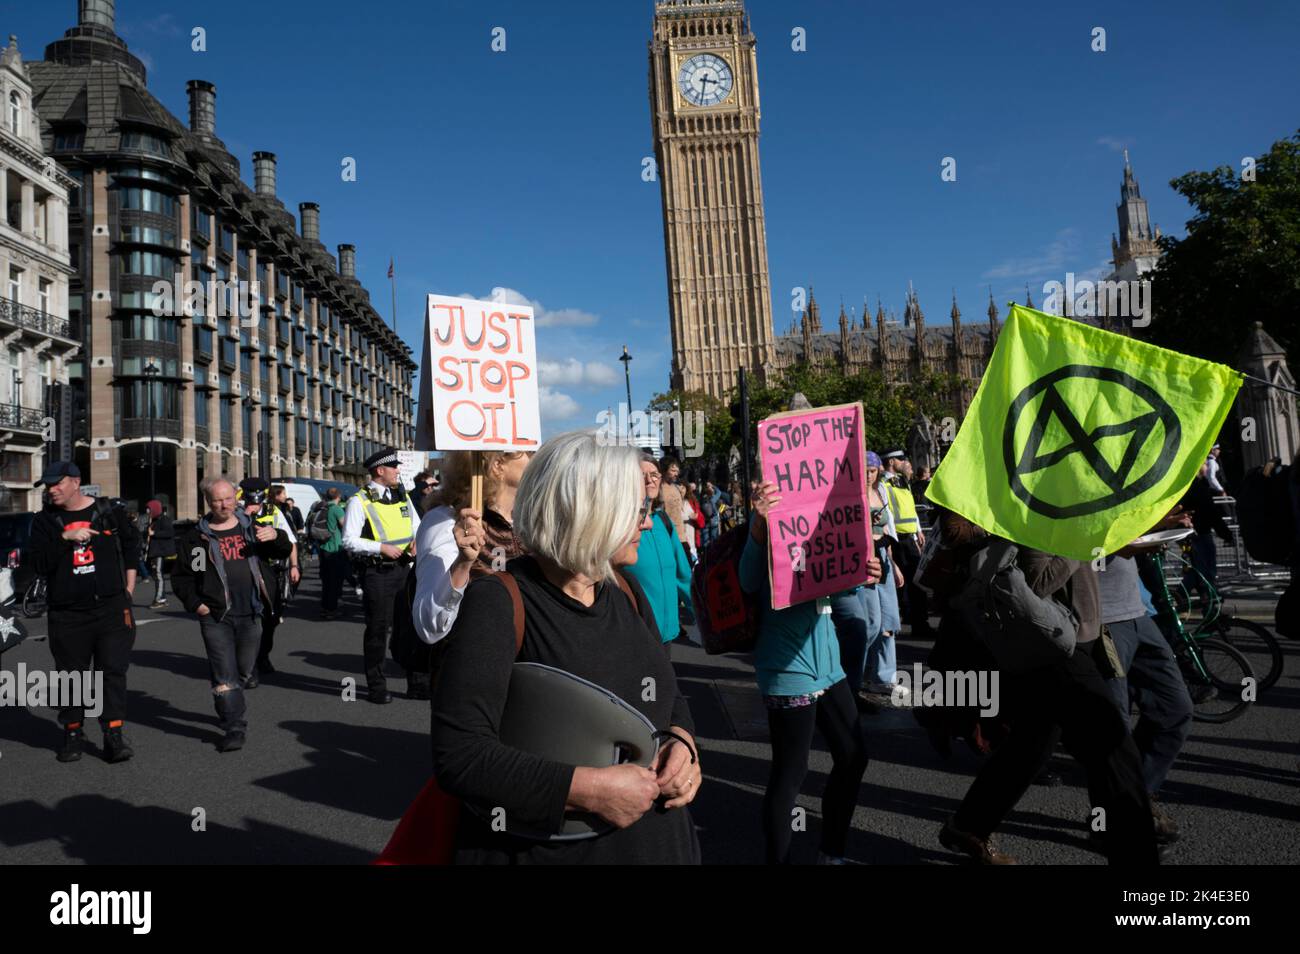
73 742
115 747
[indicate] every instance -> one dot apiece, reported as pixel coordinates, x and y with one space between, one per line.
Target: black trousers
836 715
100 638
270 620
907 553
1070 701
381 586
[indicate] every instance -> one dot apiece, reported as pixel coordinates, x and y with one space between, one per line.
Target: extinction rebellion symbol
1029 459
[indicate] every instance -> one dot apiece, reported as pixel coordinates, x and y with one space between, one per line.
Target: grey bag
1021 629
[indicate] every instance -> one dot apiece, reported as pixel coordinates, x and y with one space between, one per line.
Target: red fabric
426 835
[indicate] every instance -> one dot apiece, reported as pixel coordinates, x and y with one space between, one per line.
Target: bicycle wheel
1253 641
34 602
1213 663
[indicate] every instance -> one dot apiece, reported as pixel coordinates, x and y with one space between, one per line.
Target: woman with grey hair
578 512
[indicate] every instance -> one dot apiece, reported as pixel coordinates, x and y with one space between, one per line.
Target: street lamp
151 372
627 376
254 445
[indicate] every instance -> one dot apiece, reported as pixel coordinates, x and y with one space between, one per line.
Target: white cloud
557 406
574 373
563 317
1051 260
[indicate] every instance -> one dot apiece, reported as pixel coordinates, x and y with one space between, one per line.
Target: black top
239 576
605 643
81 575
162 542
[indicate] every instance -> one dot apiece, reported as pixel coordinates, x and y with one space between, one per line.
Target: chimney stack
203 107
96 13
264 174
348 261
309 216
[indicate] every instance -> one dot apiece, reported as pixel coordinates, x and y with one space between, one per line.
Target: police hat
253 490
894 455
384 457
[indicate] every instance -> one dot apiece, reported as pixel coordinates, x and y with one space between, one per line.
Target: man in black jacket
88 552
223 576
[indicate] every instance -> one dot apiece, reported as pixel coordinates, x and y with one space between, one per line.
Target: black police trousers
381 587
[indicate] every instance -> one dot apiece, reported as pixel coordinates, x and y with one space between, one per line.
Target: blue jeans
849 614
1164 707
231 645
881 604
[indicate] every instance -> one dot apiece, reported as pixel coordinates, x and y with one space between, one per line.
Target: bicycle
34 599
1251 639
1217 674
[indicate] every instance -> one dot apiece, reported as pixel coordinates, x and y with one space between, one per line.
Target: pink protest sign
819 540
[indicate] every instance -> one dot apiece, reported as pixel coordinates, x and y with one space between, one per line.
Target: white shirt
437 602
354 521
1213 475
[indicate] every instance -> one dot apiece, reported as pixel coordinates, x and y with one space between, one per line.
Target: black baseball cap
56 471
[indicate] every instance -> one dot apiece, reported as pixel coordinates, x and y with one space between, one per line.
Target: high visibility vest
905 519
389 523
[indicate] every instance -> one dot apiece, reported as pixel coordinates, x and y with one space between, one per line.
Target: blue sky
521 170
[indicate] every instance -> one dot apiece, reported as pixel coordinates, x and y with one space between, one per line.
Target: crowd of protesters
580 557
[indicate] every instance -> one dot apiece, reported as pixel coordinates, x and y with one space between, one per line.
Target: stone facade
705 115
36 341
309 361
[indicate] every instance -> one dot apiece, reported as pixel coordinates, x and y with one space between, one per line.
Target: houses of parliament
704 103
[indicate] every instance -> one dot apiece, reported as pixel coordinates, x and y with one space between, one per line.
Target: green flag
1079 439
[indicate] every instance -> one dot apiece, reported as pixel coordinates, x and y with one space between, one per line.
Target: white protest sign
478 383
410 463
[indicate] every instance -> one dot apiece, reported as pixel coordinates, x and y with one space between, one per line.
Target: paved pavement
323 780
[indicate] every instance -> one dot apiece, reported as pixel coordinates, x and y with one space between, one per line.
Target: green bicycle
1219 678
1251 639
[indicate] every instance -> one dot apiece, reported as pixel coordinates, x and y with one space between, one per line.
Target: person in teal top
797 662
661 566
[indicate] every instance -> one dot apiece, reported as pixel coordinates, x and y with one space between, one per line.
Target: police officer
379 529
255 500
911 538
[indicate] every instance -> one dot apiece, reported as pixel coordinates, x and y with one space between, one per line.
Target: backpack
318 523
1021 629
727 616
1265 514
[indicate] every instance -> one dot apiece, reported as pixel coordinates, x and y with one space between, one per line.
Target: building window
201 408
67 140
284 434
15 113
150 328
15 284
146 200
144 142
163 403
200 222
286 379
203 341
227 240
284 333
300 385
139 234
16 467
43 295
241 260
15 376
300 434
154 264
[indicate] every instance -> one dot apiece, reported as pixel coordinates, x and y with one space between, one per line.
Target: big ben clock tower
704 109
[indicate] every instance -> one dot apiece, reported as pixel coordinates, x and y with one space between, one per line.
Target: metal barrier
1233 564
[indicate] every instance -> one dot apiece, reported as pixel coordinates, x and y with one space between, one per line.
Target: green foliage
1240 261
716 416
889 412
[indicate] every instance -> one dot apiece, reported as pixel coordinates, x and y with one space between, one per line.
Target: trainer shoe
115 747
73 742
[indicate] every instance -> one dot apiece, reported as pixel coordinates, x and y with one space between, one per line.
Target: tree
1240 261
693 413
889 412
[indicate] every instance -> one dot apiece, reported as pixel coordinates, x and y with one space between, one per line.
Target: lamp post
254 443
627 377
151 372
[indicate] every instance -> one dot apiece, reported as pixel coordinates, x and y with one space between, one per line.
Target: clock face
705 80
